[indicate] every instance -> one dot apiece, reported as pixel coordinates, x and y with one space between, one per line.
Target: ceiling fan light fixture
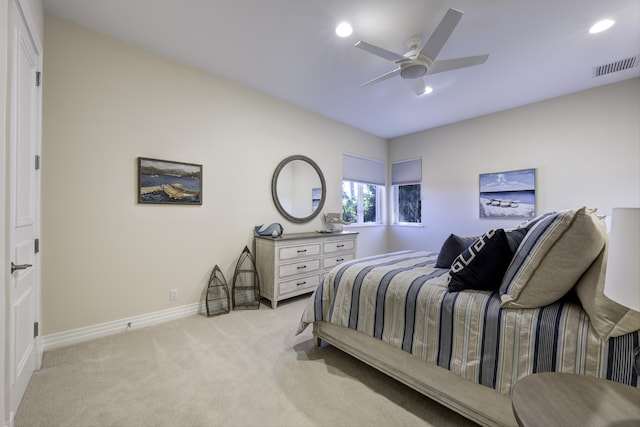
344 29
601 26
413 70
416 64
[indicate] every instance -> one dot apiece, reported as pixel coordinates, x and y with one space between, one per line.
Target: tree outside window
360 202
408 203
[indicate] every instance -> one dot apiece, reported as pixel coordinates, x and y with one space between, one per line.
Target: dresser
295 263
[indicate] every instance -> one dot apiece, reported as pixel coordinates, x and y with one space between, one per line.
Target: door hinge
37 162
38 78
36 246
35 329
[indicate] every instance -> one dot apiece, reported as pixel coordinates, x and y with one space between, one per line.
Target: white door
24 210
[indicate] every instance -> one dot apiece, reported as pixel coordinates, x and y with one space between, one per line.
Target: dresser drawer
307 282
293 252
344 245
332 261
301 267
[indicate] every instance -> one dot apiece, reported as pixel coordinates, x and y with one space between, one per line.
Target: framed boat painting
509 194
168 182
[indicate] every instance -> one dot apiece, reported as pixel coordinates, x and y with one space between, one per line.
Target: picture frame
169 182
510 194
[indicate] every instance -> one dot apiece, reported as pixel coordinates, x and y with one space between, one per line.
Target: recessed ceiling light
344 29
600 26
427 90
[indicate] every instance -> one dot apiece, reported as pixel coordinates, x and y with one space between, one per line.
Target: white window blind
406 172
359 169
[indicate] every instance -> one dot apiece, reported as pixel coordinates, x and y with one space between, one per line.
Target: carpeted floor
245 368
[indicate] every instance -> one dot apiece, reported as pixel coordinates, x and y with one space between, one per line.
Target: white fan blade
417 85
382 77
378 51
443 31
452 64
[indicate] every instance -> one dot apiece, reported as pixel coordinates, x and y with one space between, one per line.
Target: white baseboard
87 333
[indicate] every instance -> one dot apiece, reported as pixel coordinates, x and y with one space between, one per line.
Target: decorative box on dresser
295 263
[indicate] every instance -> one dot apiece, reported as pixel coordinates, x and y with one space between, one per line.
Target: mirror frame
274 189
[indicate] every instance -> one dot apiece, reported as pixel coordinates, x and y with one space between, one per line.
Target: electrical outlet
173 295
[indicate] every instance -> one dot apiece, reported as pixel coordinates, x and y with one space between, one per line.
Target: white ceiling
288 49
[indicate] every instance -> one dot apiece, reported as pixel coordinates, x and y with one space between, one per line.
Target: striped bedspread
402 299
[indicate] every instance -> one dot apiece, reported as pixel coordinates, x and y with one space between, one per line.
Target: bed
466 348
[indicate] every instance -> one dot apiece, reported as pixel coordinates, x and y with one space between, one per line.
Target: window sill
346 227
409 225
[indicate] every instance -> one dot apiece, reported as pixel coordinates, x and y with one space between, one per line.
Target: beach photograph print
508 194
163 181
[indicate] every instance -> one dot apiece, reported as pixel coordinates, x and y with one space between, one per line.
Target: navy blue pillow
483 264
514 237
451 248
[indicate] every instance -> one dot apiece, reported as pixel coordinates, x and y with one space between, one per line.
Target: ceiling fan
420 62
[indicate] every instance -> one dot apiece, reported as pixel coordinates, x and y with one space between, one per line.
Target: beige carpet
245 368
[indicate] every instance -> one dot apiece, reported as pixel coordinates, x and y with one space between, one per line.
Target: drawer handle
301 283
340 260
300 251
340 246
300 267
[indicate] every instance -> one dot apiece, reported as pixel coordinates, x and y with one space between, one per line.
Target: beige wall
106 257
585 148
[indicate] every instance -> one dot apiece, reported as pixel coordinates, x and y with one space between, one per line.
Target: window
362 189
360 202
407 204
406 178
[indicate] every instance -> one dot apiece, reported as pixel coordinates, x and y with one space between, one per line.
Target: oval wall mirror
298 189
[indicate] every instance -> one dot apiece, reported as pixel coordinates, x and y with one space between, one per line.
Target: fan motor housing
415 66
413 70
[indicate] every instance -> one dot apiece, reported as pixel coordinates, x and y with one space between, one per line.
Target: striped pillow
552 257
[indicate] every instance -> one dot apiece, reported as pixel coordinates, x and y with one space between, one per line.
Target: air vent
623 64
